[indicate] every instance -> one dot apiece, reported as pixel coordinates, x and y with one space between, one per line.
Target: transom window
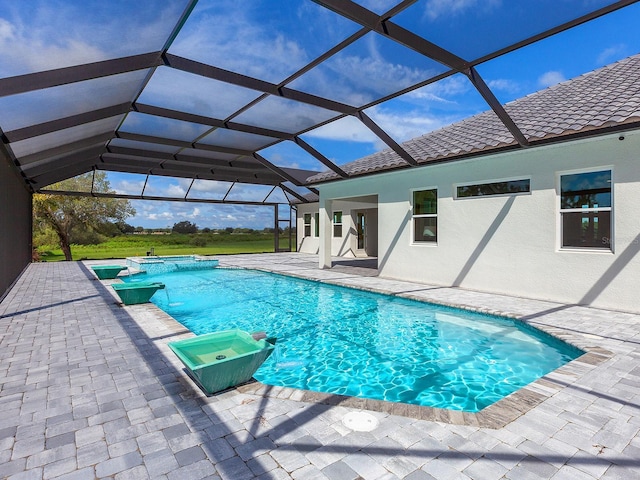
337 224
425 216
506 187
585 209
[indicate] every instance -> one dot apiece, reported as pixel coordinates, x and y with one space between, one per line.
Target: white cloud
220 35
611 54
355 74
439 91
156 214
183 91
435 9
551 78
195 213
405 125
364 72
358 77
126 187
175 191
52 34
504 85
284 114
210 186
248 192
281 161
160 216
28 51
348 129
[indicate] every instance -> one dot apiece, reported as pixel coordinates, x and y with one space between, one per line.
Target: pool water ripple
349 342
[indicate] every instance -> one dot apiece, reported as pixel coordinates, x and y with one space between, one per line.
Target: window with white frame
585 209
316 231
337 224
307 224
425 216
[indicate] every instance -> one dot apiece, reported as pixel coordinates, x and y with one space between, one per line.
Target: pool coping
495 416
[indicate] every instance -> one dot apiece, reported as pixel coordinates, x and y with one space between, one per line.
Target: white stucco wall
304 244
511 244
345 245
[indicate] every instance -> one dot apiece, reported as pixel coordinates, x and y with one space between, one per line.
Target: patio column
324 250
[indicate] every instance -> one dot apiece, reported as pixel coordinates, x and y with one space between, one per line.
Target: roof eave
587 132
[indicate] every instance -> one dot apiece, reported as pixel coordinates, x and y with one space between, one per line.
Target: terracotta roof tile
606 97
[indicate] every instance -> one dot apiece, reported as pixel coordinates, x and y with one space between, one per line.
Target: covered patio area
89 389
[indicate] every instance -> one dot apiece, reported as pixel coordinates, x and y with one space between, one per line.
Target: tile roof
607 97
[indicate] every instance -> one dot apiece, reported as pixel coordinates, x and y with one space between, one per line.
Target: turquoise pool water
159 265
349 342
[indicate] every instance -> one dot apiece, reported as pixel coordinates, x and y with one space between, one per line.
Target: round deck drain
220 357
360 421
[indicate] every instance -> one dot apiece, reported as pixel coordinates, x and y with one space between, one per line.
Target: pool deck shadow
90 389
494 416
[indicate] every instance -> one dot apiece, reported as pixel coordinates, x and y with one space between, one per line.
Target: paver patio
89 389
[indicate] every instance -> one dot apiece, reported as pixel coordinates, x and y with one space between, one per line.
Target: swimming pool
349 342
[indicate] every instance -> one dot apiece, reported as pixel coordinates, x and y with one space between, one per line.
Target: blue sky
42 34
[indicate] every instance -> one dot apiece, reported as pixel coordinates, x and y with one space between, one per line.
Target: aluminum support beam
68 148
365 17
276 229
213 122
294 194
67 122
495 105
113 166
78 73
381 25
233 78
319 156
387 139
277 170
50 165
154 198
58 175
555 30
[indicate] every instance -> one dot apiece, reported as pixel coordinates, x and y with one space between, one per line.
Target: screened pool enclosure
244 101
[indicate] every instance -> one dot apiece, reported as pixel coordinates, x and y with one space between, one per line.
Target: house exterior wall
511 244
346 244
15 226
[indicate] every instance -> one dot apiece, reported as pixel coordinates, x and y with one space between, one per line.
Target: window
316 231
507 187
307 224
585 209
425 216
337 224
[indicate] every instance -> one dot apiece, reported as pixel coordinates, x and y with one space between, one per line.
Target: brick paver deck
89 389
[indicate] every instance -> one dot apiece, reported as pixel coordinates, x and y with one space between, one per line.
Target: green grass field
174 244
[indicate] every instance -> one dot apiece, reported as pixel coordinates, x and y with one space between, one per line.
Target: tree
124 227
63 213
185 227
